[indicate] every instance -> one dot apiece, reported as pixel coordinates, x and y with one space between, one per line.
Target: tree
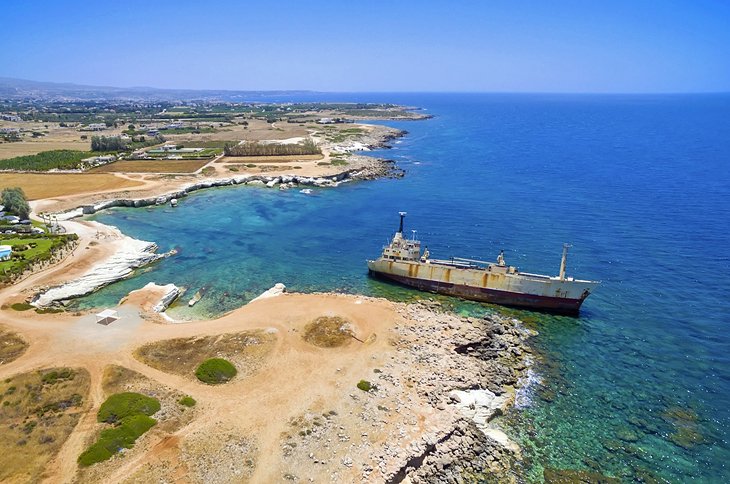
15 202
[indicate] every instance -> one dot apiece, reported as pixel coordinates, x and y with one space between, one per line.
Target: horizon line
384 91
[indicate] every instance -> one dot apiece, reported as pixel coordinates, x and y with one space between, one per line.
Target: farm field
40 185
151 166
269 159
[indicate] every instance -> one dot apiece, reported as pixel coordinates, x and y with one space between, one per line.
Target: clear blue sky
373 45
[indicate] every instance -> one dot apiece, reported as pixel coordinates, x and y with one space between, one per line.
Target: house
5 252
11 117
325 121
11 219
95 127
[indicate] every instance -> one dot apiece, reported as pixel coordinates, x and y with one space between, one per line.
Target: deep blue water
638 387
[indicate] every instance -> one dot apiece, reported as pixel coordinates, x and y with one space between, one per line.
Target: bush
122 405
215 370
365 385
187 401
21 306
114 439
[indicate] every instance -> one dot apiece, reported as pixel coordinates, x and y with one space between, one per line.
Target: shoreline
135 254
416 423
441 378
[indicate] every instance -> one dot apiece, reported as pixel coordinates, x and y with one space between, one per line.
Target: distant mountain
11 88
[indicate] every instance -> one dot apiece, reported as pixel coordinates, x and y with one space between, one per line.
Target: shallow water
639 385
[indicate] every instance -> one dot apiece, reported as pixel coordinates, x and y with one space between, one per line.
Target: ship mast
564 261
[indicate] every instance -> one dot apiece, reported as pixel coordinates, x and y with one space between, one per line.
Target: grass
151 166
12 346
187 401
36 418
129 412
328 332
38 186
27 251
118 379
114 439
121 405
215 371
180 356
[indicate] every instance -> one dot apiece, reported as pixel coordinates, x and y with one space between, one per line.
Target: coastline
420 360
131 254
427 421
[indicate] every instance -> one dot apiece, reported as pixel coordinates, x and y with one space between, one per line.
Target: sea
638 386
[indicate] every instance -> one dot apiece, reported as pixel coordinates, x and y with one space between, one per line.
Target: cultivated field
40 185
151 166
268 159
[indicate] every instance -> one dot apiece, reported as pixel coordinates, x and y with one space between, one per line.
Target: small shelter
5 252
107 316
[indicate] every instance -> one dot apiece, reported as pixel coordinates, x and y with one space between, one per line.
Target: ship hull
553 304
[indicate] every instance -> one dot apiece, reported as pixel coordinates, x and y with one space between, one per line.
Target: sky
372 45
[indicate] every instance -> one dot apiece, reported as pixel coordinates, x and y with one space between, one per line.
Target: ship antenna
402 216
564 261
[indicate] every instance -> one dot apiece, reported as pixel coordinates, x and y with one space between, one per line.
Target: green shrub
215 370
117 438
187 401
121 405
365 385
21 306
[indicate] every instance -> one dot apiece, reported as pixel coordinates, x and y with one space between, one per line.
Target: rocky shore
467 369
428 416
130 254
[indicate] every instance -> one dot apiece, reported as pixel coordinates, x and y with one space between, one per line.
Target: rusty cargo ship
493 282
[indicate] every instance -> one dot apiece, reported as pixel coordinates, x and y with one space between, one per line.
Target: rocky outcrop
277 290
171 292
375 168
131 254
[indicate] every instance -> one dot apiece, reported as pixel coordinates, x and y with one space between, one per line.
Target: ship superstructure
493 282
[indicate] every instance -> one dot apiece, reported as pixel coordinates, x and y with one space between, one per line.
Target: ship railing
455 263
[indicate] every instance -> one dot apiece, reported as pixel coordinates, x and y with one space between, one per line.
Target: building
5 252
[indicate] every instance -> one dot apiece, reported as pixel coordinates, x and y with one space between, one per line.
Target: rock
130 255
171 293
277 290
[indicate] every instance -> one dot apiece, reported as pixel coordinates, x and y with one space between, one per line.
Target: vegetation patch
121 405
47 160
118 379
255 148
112 440
181 356
11 346
329 332
21 306
39 410
129 412
365 385
214 371
187 401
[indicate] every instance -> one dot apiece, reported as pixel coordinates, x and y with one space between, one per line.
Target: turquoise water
638 387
